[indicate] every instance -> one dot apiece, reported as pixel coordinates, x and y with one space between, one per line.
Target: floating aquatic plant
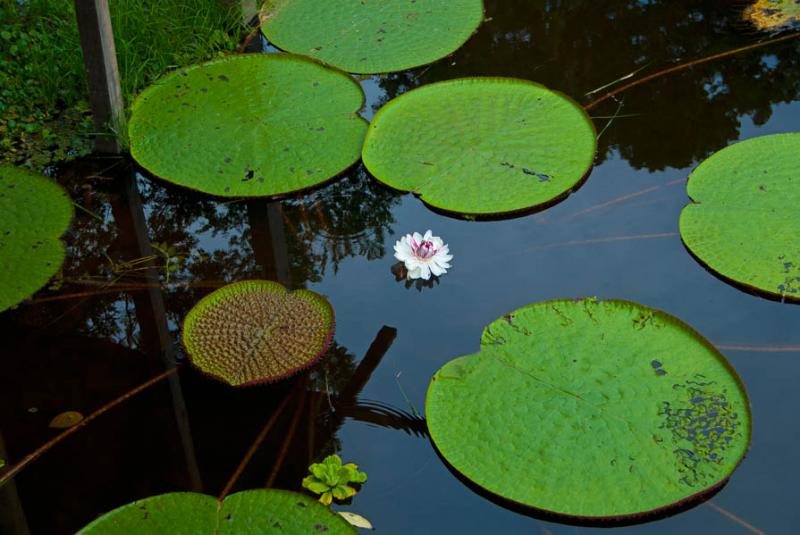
252 511
481 146
744 221
34 213
593 409
249 125
774 15
257 331
333 480
371 37
423 256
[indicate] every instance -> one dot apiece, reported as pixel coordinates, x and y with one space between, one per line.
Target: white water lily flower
423 256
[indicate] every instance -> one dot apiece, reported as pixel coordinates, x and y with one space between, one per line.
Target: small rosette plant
331 479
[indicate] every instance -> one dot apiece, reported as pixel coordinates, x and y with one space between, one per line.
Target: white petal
414 273
443 257
438 243
428 235
417 238
425 271
436 270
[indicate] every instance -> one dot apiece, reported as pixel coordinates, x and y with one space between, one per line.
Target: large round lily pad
591 409
374 36
481 146
257 331
34 213
249 125
744 221
249 512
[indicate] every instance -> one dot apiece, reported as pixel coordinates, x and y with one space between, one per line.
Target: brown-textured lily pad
257 332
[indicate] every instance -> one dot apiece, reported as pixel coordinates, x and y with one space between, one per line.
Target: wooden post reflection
150 310
268 239
12 515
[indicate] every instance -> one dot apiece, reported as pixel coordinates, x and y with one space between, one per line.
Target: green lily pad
34 213
249 512
744 222
371 37
249 125
591 409
482 146
257 332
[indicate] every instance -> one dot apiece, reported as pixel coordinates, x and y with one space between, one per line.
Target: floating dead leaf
356 520
66 419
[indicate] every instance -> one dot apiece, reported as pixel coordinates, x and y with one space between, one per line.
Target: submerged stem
28 459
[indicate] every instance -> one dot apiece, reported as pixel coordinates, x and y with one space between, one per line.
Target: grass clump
44 111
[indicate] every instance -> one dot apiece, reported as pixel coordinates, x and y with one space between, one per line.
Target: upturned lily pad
249 125
591 409
248 512
371 37
744 220
34 213
257 332
481 146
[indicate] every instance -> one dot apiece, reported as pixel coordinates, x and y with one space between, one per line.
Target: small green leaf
326 498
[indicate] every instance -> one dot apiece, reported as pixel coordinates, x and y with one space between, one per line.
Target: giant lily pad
481 146
591 409
374 36
744 221
249 125
257 331
34 213
248 512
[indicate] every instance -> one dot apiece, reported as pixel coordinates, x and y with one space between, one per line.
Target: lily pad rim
756 139
739 285
220 503
491 216
262 29
69 205
641 516
274 379
285 56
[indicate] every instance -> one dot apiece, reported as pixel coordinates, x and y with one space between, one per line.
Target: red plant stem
256 444
608 239
743 523
28 459
285 448
687 65
759 349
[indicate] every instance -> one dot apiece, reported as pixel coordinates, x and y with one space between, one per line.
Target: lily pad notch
249 125
257 331
251 511
592 411
482 147
371 37
743 222
34 213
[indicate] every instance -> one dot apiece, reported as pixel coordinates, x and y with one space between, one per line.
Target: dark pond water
109 328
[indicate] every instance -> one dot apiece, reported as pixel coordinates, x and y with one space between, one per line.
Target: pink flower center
425 249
